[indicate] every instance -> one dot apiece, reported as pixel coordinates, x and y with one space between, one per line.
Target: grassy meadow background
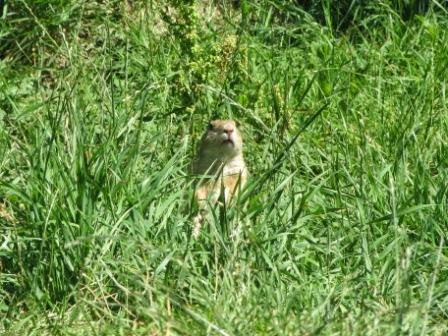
342 229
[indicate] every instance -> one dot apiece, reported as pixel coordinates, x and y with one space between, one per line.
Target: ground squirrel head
222 139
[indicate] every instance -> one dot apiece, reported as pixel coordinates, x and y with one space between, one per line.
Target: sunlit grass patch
341 228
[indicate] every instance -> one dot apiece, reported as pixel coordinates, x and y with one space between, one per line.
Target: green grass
341 230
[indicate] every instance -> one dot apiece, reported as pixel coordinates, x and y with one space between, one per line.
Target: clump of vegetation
342 227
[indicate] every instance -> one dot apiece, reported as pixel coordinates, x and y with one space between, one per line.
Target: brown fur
220 164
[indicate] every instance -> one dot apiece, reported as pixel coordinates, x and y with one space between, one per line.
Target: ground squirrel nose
228 130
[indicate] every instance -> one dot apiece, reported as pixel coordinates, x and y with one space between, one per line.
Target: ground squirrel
220 165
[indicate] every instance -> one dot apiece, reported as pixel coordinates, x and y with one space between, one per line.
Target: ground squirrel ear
237 123
210 126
